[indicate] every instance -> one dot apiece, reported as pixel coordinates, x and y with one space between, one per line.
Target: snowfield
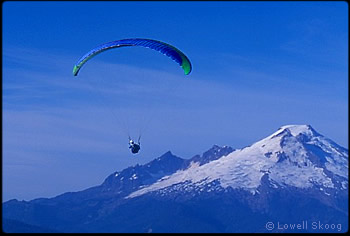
295 155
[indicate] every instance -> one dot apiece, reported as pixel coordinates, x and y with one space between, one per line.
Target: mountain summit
294 156
294 175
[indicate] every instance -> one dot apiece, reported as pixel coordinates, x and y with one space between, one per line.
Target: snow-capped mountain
295 156
139 176
292 176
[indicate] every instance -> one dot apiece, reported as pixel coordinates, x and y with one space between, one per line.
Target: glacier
288 157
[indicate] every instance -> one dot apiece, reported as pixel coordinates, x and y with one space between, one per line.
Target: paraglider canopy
164 48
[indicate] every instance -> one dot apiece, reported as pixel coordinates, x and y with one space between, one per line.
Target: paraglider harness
135 147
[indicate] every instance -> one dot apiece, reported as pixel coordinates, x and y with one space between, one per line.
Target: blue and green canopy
164 48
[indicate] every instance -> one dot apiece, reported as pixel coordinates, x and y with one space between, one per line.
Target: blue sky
256 66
